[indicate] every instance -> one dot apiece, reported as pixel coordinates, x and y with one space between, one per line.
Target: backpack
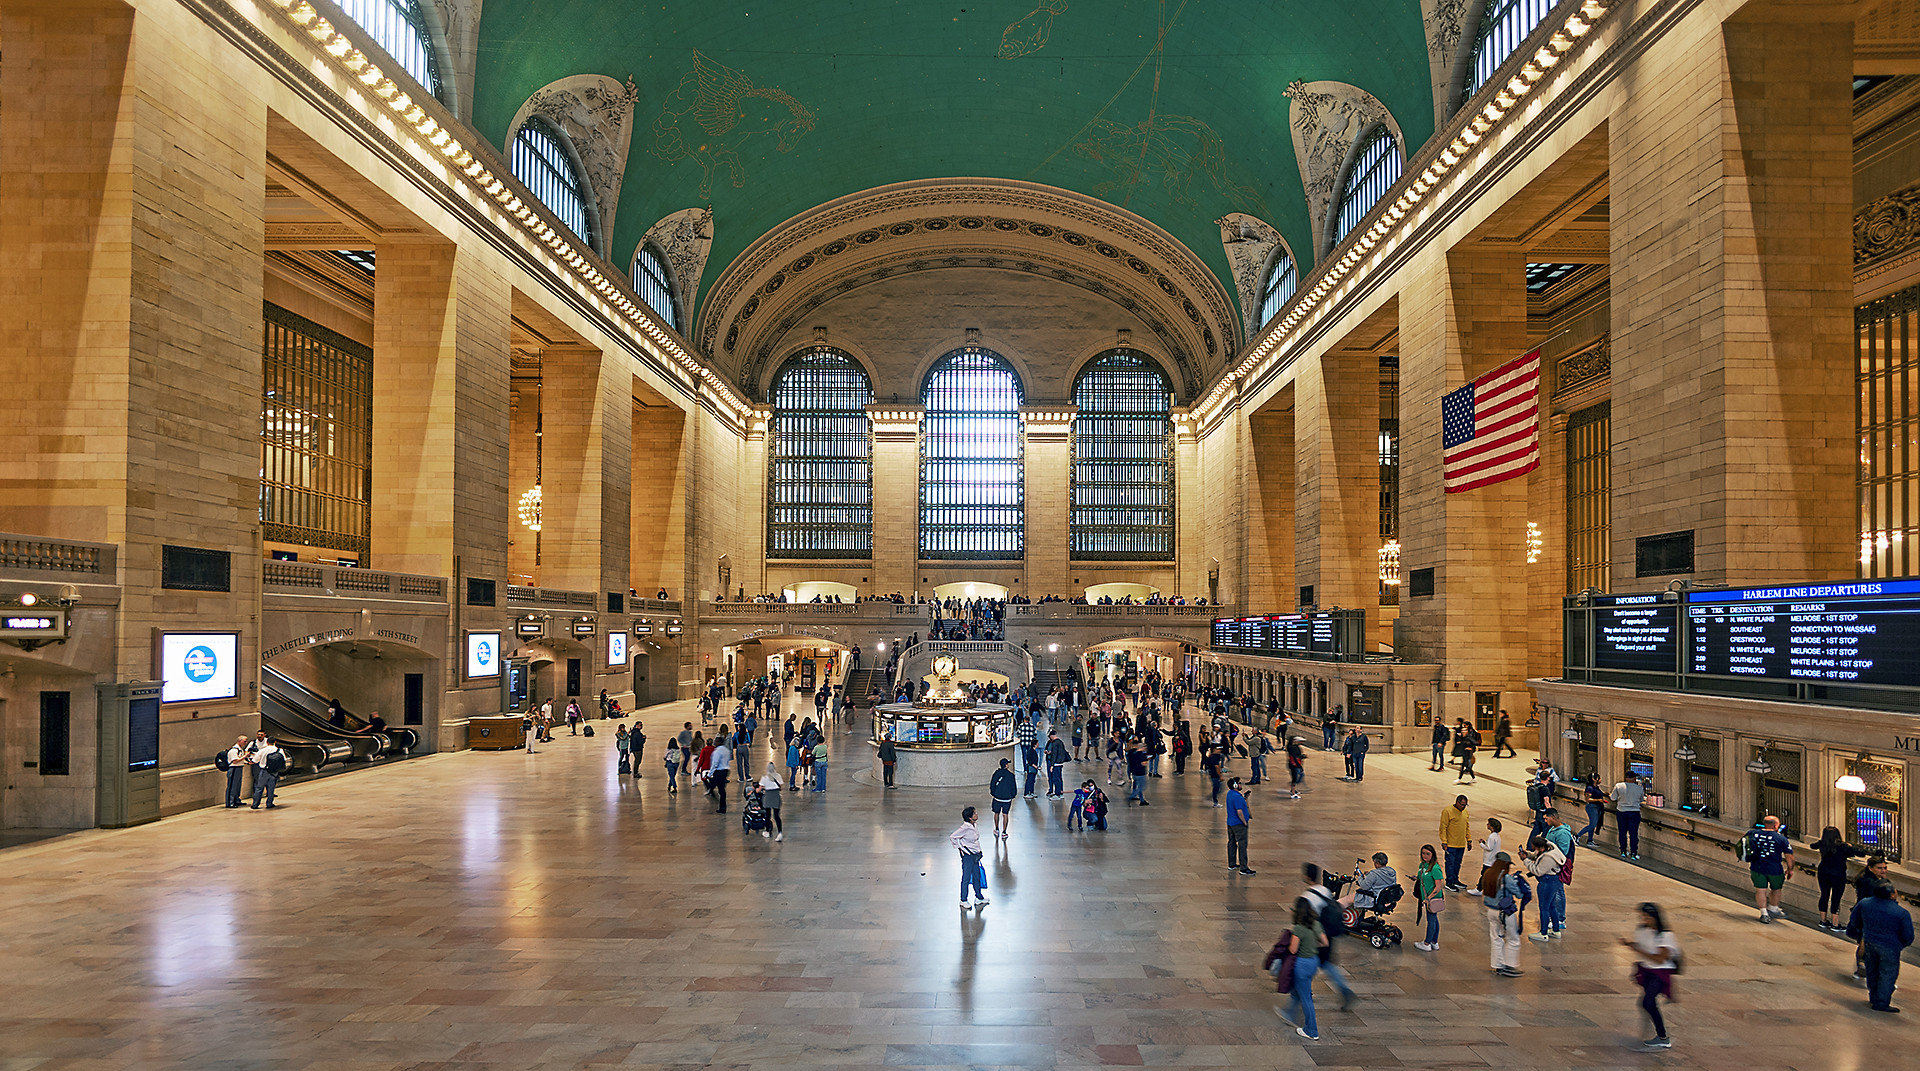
1333 917
586 730
277 762
220 762
1534 795
1744 849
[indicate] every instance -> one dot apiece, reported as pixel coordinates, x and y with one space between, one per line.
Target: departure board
1326 636
1863 633
1640 633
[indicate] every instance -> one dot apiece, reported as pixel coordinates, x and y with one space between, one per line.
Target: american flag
1490 428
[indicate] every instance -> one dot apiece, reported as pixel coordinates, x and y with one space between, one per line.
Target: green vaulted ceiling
1174 109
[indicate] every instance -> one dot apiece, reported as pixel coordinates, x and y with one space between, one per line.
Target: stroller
753 815
1370 924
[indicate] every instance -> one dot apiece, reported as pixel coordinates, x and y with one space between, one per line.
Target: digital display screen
1636 632
616 648
198 666
1864 633
1640 768
143 734
1321 636
1874 827
483 654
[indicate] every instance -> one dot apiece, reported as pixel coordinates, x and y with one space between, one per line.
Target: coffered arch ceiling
1017 230
1173 110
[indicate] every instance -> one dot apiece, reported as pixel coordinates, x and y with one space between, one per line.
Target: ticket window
1777 791
1873 816
1700 779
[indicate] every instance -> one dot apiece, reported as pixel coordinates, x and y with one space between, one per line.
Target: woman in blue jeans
1430 890
673 766
1305 943
1596 810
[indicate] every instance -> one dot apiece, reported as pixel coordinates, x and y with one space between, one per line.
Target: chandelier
1390 562
1536 543
530 508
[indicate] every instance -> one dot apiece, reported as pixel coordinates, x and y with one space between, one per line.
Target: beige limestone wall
658 463
1271 543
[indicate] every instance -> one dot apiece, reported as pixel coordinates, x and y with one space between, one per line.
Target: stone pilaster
1337 466
587 407
896 497
1270 526
1049 432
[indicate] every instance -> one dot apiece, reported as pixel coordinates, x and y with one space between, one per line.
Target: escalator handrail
392 740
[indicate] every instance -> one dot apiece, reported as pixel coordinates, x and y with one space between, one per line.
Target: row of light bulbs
1578 25
1847 782
336 44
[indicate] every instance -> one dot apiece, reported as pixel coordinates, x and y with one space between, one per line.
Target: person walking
573 718
1429 892
1467 743
889 755
966 840
1456 832
1832 873
1439 740
1503 737
1884 929
719 768
1543 860
1656 960
770 799
674 758
1307 942
820 766
1769 856
1137 770
1296 765
1003 788
1596 801
1500 894
1626 797
1238 815
1490 844
1211 762
1331 914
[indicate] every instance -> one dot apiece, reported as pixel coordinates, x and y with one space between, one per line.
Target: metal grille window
1282 279
1777 791
316 435
1585 750
820 461
1873 816
1887 414
650 279
1503 28
542 163
1375 171
972 459
1590 498
1700 778
401 30
1122 461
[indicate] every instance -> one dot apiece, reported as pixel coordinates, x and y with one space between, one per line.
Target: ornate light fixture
1623 741
1390 562
1760 765
1536 543
530 508
1570 733
1851 781
1685 752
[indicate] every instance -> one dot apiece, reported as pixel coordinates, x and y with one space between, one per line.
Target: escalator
300 715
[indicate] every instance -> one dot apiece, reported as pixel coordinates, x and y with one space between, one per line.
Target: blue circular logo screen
200 664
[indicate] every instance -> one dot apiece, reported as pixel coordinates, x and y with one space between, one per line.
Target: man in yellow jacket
1456 832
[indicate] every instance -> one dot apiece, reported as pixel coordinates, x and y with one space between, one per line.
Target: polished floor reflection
537 911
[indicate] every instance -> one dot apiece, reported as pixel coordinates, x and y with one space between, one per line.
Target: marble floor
505 910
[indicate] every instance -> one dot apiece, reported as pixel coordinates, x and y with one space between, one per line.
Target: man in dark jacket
1057 756
1003 788
888 756
1884 928
1357 745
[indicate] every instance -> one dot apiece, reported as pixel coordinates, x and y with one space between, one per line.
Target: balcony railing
518 595
59 557
307 578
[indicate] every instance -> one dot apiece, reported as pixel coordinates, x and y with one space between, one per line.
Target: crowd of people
916 599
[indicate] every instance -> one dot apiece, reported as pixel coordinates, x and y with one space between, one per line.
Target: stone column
1463 317
1732 195
587 408
658 463
1271 542
1337 480
896 497
1049 490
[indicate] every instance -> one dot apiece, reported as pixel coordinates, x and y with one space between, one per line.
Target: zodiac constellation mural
714 116
1029 34
1171 150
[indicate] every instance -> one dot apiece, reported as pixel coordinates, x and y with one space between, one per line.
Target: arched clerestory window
1122 490
972 459
1282 278
1504 26
544 163
654 284
820 458
401 30
1376 167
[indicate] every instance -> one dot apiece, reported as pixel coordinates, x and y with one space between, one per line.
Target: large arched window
542 163
401 30
972 487
1375 169
651 280
1282 278
1504 26
1122 461
820 465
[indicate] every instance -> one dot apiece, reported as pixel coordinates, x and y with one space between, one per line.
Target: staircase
861 681
1046 680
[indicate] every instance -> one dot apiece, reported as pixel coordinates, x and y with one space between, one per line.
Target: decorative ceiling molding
1250 243
1328 120
1887 227
684 238
1003 224
596 114
459 32
1446 25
